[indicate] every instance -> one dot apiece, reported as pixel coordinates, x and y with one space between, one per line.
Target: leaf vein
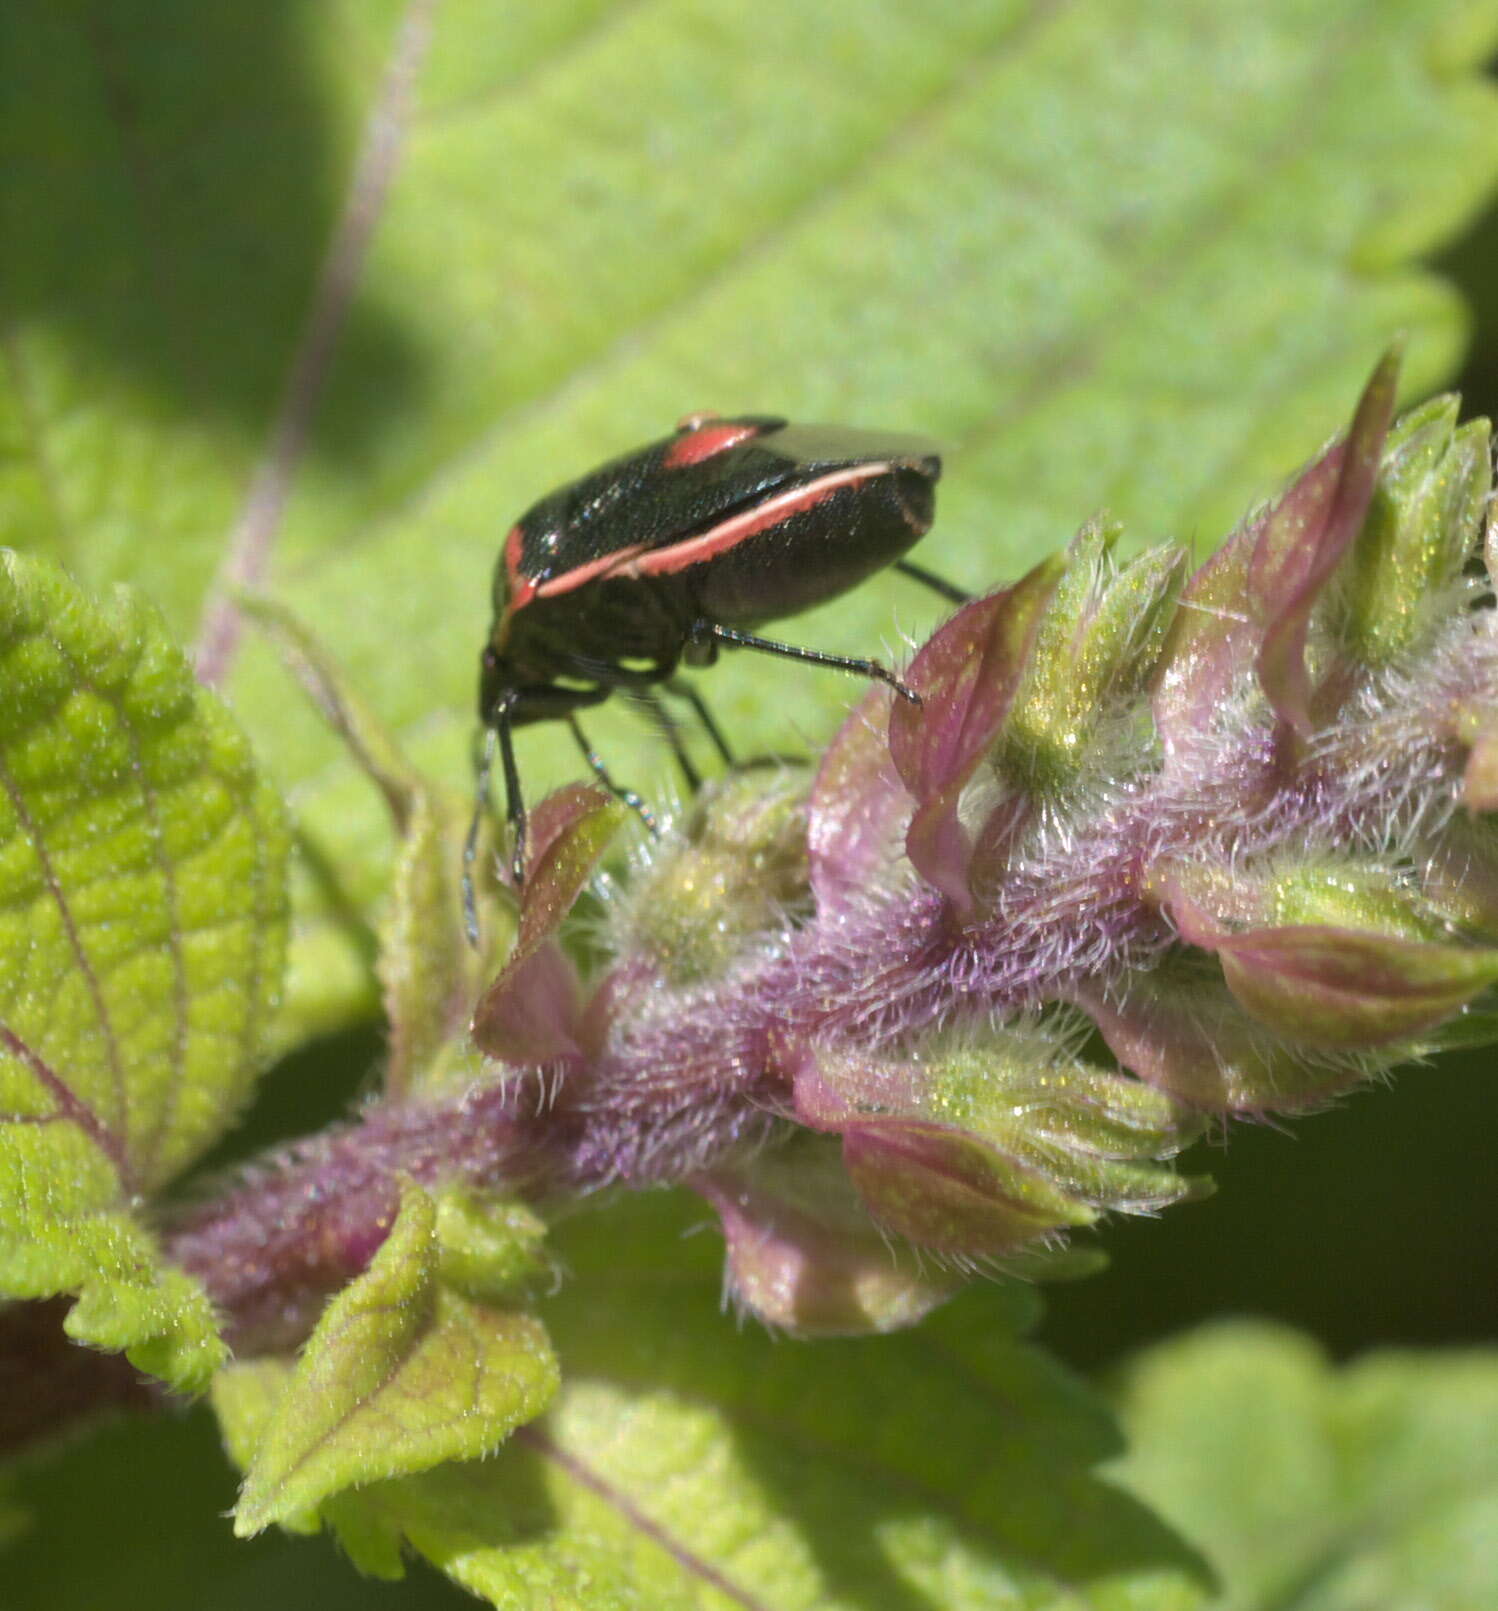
150 800
70 1105
1055 367
688 1560
32 829
732 261
563 50
254 534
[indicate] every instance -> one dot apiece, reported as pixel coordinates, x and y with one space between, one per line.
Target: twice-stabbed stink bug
662 557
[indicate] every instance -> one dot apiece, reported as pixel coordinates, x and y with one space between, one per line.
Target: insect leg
787 651
601 772
471 841
514 799
681 689
938 584
666 725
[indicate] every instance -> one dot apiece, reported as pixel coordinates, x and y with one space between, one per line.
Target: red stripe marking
693 446
723 536
579 574
521 586
642 561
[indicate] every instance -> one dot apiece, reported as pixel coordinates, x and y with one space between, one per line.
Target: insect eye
695 422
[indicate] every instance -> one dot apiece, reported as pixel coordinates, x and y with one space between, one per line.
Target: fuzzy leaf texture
400 1375
1372 1485
324 305
1339 1489
681 1466
142 918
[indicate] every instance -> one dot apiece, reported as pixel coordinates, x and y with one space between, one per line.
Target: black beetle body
616 578
660 557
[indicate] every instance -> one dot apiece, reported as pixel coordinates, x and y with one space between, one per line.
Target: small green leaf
400 1375
1375 1485
488 1250
246 1395
685 1465
142 921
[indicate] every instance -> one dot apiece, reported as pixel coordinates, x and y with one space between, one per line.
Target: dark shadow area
1369 1225
317 1085
170 189
134 1519
1472 263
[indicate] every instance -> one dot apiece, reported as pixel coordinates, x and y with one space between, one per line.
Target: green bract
402 1374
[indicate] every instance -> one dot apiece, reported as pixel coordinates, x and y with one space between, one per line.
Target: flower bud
803 1253
739 869
1335 985
1094 648
976 1148
1416 538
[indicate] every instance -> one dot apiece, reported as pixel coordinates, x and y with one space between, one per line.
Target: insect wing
689 498
644 500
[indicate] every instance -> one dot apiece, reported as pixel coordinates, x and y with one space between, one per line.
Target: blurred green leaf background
323 296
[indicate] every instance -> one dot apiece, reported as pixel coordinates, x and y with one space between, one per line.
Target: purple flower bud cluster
1231 821
1154 849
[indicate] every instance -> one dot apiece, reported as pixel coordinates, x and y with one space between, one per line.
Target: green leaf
1109 253
1373 1485
684 1465
400 1375
141 932
429 974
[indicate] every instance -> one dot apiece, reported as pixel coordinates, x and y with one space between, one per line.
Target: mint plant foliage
1333 1489
142 933
1233 819
1234 825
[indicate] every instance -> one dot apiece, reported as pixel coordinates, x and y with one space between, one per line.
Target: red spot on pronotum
703 441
